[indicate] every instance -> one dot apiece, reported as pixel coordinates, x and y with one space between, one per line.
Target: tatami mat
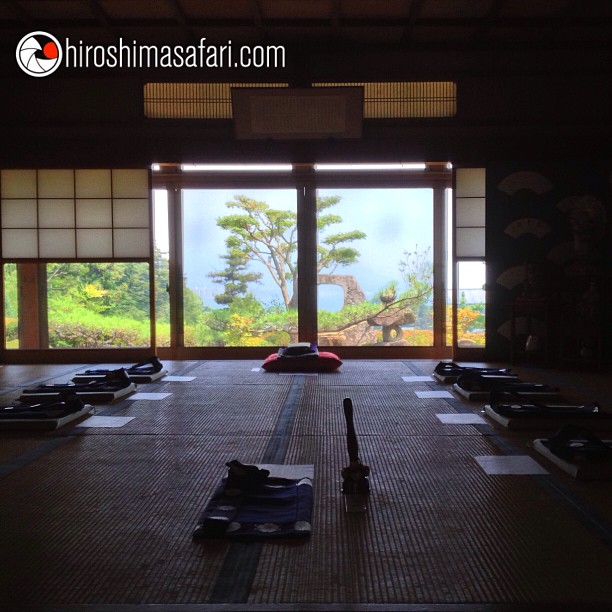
204 410
101 518
15 443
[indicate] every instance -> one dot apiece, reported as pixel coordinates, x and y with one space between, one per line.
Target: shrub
83 329
11 328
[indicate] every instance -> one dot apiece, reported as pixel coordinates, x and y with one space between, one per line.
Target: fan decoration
526 179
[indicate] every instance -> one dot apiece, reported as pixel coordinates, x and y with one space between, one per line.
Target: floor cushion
323 361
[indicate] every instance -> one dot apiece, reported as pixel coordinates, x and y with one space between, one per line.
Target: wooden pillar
307 258
439 272
33 317
176 273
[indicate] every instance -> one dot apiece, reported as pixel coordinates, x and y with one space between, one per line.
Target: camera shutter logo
39 54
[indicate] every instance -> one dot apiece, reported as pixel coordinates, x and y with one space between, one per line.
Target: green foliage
479 321
245 322
11 329
260 233
110 288
333 321
330 250
101 303
356 313
81 328
193 304
114 289
119 293
161 273
10 291
388 293
257 233
417 272
234 278
416 269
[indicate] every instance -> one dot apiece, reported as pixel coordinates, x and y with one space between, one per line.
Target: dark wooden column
307 256
33 316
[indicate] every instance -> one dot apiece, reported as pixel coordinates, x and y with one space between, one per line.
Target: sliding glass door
240 267
370 273
61 305
375 267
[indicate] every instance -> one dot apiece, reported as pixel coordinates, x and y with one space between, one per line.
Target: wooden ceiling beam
488 21
414 12
102 18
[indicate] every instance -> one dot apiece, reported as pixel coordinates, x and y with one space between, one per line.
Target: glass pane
240 257
471 278
98 305
89 305
377 246
11 306
162 267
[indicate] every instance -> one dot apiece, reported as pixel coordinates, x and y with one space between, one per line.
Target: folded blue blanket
278 508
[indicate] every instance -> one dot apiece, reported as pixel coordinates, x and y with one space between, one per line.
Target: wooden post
307 270
33 317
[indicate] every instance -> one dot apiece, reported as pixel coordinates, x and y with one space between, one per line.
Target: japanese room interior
305 305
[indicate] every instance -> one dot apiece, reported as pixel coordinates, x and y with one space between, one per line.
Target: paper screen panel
94 243
93 183
470 242
470 212
56 213
94 213
19 243
41 211
131 242
19 213
470 182
18 184
130 184
56 243
55 184
130 212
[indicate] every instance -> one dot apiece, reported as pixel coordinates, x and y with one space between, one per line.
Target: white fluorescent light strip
236 167
289 167
360 167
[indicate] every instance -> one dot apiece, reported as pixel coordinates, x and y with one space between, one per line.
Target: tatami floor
100 518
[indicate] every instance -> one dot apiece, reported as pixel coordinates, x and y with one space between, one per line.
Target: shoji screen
75 214
469 213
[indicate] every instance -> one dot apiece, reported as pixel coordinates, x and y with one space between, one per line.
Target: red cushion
323 362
